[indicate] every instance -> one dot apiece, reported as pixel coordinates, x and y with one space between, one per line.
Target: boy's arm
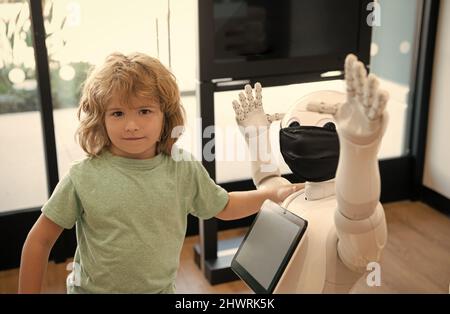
35 253
243 204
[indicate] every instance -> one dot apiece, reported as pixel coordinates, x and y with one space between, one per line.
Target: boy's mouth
133 138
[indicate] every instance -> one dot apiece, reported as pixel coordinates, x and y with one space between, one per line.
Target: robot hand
249 110
361 118
254 125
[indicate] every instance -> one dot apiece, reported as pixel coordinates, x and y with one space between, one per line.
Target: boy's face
134 130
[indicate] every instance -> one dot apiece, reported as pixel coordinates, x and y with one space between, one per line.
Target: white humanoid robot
346 222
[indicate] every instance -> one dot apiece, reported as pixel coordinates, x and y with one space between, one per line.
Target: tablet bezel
245 275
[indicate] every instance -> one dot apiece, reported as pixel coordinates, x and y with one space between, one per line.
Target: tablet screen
268 246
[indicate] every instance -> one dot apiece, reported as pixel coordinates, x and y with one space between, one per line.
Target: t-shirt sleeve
208 198
64 206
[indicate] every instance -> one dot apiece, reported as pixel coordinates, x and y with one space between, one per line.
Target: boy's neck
148 154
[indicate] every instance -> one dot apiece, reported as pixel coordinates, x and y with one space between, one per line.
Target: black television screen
253 38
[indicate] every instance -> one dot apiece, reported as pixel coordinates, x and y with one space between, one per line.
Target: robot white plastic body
346 223
319 265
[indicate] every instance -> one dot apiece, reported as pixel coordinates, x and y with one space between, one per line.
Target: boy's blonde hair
127 76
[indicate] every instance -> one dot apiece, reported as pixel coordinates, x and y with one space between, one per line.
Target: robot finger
244 103
322 107
360 80
274 117
258 95
238 111
371 90
250 99
349 77
379 105
258 88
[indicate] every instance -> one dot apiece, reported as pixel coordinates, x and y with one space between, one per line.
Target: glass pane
23 182
392 53
183 40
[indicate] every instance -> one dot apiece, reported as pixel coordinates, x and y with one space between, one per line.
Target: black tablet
267 247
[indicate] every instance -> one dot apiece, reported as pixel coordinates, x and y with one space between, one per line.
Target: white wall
437 155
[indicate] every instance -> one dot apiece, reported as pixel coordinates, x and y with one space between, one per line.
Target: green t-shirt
131 218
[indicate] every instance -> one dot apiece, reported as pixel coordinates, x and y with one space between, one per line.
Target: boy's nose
131 126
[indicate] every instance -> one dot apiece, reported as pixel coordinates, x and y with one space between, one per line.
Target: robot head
308 140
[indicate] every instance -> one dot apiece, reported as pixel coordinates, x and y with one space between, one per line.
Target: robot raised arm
361 122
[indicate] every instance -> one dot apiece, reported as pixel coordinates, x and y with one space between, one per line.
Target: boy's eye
117 114
145 111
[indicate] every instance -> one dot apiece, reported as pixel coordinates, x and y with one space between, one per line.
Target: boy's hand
280 193
245 203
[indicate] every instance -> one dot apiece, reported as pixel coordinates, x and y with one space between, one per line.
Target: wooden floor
416 259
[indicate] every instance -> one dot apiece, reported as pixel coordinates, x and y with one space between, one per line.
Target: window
23 182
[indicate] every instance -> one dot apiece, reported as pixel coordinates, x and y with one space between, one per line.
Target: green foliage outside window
16 36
